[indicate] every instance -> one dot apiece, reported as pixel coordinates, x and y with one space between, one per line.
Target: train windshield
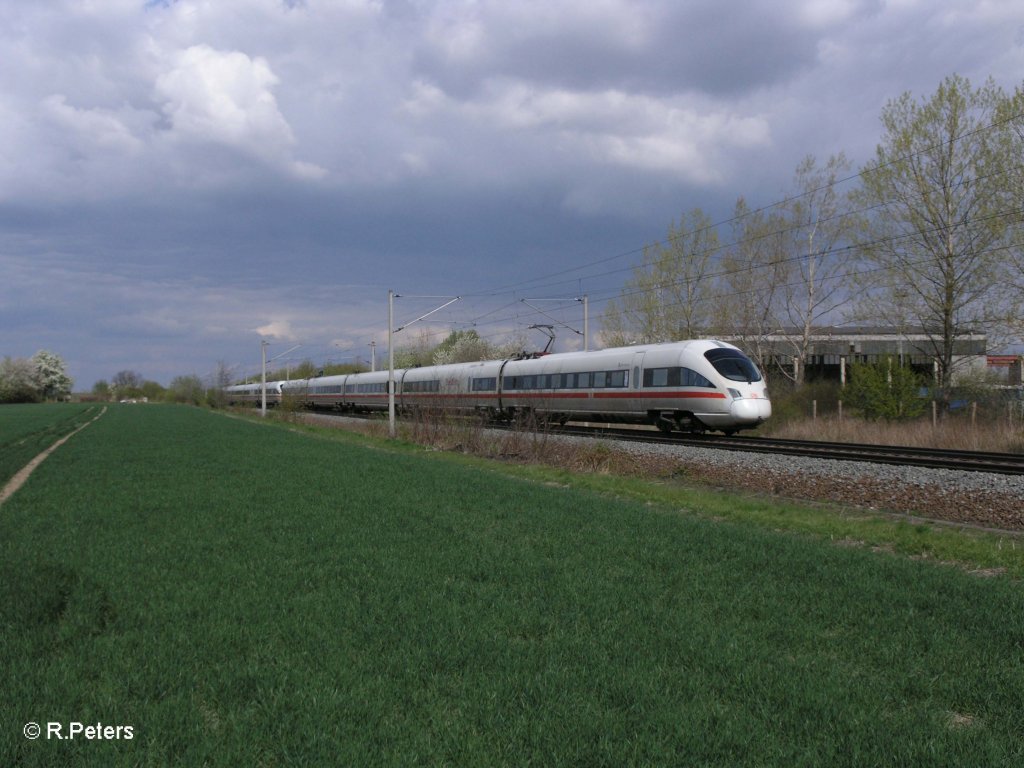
733 364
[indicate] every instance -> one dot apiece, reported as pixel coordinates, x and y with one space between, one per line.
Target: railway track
971 461
933 458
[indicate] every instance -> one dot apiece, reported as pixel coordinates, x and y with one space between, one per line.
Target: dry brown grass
951 433
528 445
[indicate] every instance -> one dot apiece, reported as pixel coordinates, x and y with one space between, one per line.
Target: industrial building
834 348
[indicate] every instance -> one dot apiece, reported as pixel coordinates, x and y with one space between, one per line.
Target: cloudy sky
181 179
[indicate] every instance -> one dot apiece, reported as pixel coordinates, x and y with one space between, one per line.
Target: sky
181 180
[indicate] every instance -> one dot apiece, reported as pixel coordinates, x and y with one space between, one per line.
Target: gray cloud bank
176 176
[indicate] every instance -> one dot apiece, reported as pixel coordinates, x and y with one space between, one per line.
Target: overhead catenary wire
762 209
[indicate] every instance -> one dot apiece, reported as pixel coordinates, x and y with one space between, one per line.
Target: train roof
704 344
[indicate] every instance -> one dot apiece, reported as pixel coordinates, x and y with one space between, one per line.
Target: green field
26 430
241 594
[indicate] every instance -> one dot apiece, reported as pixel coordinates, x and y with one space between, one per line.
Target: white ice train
252 394
688 385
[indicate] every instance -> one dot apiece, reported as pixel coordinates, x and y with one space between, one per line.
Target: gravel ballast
973 498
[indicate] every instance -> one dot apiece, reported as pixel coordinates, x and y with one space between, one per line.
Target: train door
636 379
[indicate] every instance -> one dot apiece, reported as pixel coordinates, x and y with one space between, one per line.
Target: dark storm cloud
178 178
711 47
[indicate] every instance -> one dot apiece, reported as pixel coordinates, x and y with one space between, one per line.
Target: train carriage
252 394
319 392
689 385
571 385
368 391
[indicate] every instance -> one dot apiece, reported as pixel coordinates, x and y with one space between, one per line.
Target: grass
982 423
26 430
242 594
602 468
951 433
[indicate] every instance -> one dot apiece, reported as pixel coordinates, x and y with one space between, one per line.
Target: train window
656 377
691 378
485 384
675 377
616 378
599 379
733 364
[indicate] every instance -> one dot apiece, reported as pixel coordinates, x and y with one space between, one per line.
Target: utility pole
391 364
373 356
586 322
392 429
263 388
585 301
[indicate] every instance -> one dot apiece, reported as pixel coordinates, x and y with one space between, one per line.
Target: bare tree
754 269
668 297
126 382
1011 116
222 376
817 218
944 210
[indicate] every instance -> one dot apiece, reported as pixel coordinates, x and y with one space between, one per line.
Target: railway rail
933 458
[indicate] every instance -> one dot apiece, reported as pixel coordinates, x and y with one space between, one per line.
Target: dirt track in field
23 474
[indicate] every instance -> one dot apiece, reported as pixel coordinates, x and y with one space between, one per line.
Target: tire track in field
23 474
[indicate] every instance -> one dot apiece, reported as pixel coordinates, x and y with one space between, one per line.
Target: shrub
795 403
885 390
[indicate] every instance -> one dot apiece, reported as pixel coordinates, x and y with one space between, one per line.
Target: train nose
751 410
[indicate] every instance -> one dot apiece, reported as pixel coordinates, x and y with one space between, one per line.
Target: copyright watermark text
81 731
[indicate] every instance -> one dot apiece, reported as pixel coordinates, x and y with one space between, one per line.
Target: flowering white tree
18 381
51 378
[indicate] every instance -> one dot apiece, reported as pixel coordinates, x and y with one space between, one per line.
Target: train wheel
687 423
